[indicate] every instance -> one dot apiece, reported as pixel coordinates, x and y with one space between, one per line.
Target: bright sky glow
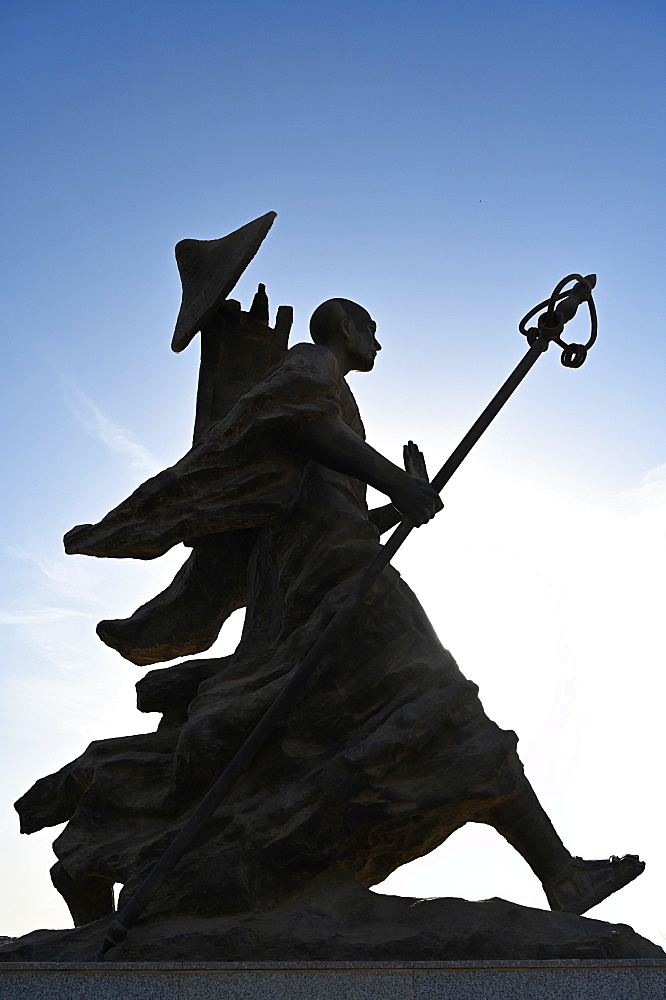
445 165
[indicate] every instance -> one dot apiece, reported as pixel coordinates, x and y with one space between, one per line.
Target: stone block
503 980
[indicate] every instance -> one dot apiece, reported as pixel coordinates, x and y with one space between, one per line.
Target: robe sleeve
241 474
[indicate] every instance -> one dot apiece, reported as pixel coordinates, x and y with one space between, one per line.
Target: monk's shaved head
347 330
326 319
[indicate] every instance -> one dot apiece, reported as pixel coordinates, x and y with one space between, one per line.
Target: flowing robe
385 754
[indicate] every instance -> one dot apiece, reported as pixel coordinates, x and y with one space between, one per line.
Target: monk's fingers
435 509
428 512
416 500
414 461
420 465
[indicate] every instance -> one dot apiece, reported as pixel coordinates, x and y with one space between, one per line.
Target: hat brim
209 270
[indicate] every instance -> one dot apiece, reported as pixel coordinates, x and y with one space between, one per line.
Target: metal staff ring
548 303
573 355
551 322
559 293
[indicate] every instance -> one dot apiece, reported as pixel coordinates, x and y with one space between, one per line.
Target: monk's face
362 345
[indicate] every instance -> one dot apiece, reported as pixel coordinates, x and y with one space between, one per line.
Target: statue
389 750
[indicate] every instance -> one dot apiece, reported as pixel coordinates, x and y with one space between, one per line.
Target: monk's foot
585 883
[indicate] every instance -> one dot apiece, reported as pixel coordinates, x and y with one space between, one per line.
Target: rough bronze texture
337 920
387 752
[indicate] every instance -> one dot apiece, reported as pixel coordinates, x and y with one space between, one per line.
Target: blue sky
445 165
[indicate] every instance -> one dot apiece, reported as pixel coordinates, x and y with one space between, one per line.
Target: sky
445 165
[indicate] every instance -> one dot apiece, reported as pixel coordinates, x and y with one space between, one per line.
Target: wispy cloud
70 579
56 588
650 493
39 616
116 437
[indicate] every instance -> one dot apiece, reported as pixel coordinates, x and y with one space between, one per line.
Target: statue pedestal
628 979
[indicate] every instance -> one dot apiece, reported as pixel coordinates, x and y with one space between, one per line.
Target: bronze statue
387 752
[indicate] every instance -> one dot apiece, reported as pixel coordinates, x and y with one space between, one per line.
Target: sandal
585 883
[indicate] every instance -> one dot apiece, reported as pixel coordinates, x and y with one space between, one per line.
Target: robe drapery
385 754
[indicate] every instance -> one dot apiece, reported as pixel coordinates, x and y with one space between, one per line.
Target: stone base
637 979
341 921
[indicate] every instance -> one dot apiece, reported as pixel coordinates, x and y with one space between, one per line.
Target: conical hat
209 269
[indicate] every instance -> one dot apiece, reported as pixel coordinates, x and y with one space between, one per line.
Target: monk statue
388 751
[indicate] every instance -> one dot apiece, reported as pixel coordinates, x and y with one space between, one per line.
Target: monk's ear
345 325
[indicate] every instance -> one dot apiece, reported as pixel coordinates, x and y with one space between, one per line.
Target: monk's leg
570 883
87 899
523 822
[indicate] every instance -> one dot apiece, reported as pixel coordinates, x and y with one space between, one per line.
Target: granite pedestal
629 979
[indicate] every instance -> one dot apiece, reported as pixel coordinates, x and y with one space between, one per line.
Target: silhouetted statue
388 752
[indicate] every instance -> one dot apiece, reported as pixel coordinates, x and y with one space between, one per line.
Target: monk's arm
384 518
332 443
